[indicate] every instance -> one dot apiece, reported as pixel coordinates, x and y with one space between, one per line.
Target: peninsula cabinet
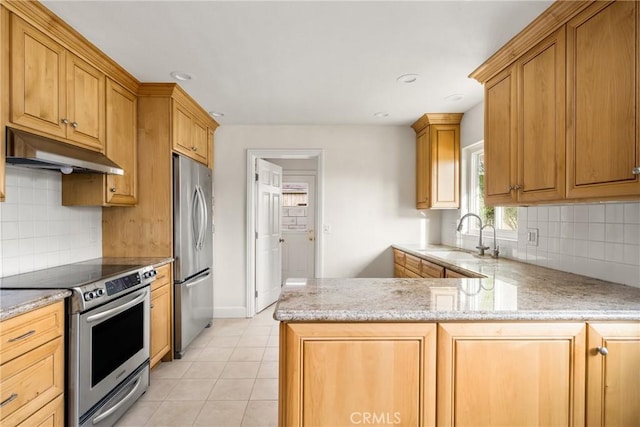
511 374
338 374
110 190
32 368
613 374
438 161
53 91
562 120
161 315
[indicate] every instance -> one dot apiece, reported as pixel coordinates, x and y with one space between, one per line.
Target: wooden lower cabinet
511 374
613 379
340 374
161 315
32 368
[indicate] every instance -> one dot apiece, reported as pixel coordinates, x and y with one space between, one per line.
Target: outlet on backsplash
532 236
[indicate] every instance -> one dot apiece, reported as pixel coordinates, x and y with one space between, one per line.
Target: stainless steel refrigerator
193 250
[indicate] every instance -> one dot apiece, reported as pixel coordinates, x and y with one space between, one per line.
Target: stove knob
99 292
88 296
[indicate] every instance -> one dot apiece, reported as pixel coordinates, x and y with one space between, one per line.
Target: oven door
113 343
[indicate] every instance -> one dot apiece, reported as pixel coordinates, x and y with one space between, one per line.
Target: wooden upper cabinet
54 91
121 135
613 379
190 135
121 144
500 135
511 374
438 161
541 121
603 47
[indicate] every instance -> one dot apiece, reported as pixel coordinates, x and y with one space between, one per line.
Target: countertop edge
30 300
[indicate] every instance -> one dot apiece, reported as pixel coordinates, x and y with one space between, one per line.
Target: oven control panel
122 283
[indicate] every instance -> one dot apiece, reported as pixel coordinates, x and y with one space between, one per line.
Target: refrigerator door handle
195 201
204 217
197 279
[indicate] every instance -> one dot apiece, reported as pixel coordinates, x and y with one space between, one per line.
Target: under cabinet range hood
35 151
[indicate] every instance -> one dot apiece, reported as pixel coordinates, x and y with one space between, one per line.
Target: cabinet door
38 80
613 380
182 129
121 144
50 415
511 374
603 137
160 323
445 166
398 271
541 124
345 374
85 104
500 134
200 142
423 177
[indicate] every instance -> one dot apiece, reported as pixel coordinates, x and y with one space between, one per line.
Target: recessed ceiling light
381 114
181 76
407 78
216 114
454 98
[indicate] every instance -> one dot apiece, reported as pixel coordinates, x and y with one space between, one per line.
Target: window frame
469 160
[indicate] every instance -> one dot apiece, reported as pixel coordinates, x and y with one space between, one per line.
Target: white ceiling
306 62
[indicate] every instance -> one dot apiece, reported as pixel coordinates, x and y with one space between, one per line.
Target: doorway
297 170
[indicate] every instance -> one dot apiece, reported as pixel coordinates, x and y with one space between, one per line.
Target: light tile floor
227 377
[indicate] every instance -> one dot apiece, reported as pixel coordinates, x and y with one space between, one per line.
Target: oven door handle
116 310
117 406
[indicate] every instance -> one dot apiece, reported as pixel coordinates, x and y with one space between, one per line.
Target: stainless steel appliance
193 250
108 318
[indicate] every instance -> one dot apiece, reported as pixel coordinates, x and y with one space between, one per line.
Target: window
504 219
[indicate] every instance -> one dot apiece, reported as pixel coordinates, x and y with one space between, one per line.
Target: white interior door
298 227
268 235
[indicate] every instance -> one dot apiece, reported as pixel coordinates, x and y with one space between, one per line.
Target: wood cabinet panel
27 331
412 263
603 46
430 269
398 271
398 257
161 320
450 274
541 121
341 373
35 379
423 176
200 142
50 415
38 79
613 380
445 166
535 370
500 135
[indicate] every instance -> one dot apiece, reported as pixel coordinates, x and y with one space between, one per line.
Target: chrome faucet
496 249
481 248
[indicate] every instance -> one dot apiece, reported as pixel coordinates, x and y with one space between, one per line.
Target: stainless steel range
108 335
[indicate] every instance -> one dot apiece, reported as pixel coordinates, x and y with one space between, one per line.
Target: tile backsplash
36 231
599 240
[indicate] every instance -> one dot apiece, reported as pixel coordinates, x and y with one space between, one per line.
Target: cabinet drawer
398 257
429 269
398 271
451 274
409 273
51 415
412 263
30 381
23 333
163 277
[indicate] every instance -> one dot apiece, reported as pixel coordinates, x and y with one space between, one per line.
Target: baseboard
229 312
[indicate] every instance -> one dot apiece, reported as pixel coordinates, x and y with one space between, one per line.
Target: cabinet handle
511 188
112 189
602 350
194 148
636 170
23 336
517 187
64 121
151 305
74 124
10 399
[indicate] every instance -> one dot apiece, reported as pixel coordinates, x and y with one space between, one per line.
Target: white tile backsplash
36 231
600 240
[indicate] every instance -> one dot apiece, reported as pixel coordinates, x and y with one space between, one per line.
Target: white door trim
252 155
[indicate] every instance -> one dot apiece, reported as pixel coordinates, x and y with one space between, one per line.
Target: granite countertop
14 303
510 291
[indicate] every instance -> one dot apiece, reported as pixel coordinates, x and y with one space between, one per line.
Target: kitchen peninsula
523 345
